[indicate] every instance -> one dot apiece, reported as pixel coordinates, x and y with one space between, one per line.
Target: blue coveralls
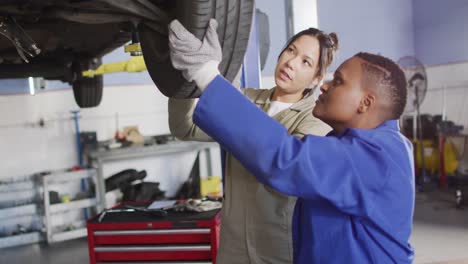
355 190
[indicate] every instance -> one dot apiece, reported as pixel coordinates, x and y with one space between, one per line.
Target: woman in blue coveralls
355 187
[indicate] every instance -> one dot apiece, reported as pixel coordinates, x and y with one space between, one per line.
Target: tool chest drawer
146 253
159 236
138 236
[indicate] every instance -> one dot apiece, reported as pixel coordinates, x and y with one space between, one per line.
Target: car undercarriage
58 40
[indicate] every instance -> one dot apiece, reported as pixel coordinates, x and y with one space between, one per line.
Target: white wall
304 14
27 148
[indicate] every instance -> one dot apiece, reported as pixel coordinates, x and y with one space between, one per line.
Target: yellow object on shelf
65 198
211 186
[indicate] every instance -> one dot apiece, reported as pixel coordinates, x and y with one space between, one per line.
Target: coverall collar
389 124
265 98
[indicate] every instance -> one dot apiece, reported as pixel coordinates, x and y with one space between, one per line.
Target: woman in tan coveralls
255 220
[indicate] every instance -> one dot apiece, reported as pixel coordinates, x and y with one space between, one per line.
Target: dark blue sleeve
320 168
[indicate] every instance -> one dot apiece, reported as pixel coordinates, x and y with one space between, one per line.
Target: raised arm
181 122
341 171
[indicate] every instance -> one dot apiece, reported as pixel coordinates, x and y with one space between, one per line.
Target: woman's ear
315 81
366 103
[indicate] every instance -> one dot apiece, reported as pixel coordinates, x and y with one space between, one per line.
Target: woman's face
297 67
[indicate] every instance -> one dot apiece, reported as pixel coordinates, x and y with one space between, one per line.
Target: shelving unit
57 233
19 210
98 158
28 210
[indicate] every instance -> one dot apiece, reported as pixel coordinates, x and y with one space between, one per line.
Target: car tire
87 91
234 23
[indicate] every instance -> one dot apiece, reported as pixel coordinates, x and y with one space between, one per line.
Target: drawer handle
152 248
153 232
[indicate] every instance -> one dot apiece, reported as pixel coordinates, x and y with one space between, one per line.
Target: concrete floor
440 231
68 252
440 235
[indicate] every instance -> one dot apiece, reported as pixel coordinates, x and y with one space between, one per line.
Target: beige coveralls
255 220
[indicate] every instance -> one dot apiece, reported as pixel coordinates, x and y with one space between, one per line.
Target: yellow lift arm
134 64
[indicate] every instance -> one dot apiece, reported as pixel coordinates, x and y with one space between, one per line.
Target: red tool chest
140 236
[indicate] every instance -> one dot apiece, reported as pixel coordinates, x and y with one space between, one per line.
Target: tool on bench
129 208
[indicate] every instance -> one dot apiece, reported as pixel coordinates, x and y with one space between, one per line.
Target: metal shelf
17 198
67 235
67 176
16 186
98 158
153 150
21 239
73 205
28 209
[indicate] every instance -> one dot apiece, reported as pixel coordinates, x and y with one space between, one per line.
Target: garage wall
384 26
27 148
440 31
432 30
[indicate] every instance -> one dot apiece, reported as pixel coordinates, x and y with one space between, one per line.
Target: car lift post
80 154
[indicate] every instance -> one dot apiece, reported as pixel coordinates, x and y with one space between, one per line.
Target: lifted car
59 39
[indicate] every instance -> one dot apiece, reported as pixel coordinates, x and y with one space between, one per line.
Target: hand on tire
198 60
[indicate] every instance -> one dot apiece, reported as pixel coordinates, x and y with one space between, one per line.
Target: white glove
197 60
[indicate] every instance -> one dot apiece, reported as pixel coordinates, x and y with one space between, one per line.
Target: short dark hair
389 78
328 46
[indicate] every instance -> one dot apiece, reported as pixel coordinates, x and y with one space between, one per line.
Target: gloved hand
197 60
